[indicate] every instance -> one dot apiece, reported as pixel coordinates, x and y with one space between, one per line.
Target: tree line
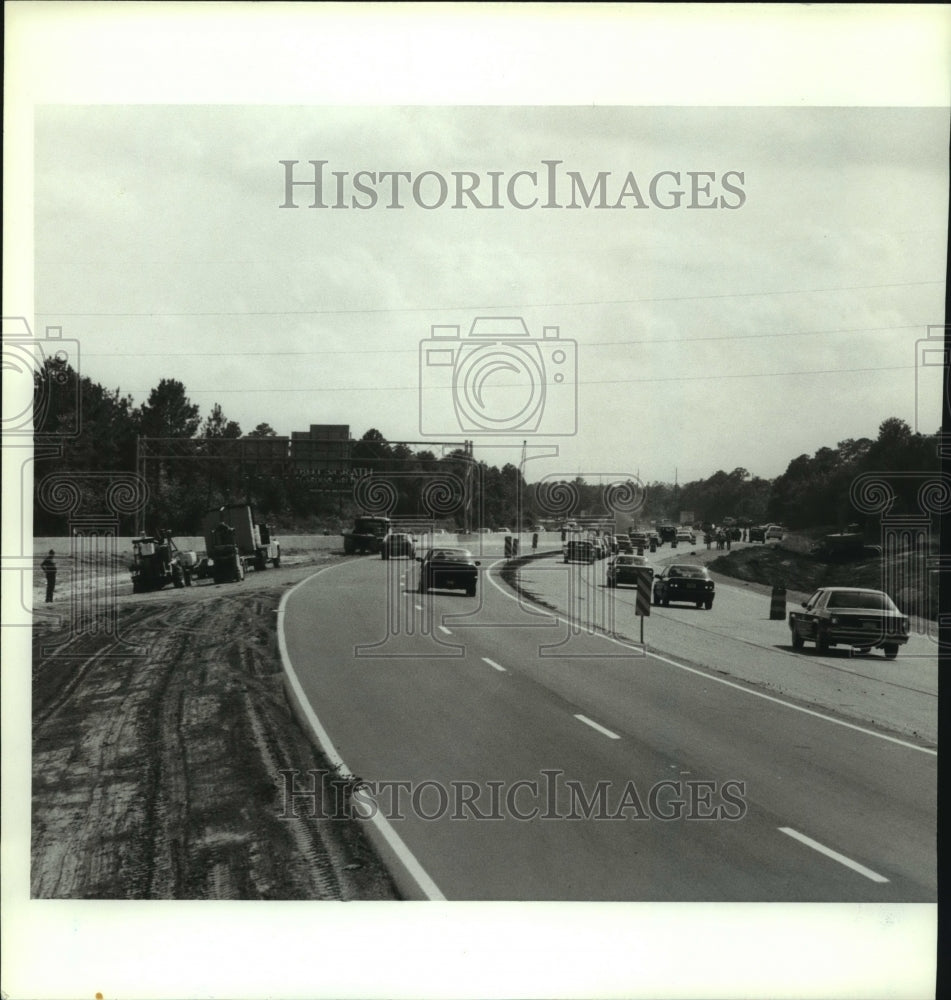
83 428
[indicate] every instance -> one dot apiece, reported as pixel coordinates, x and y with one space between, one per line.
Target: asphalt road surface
510 754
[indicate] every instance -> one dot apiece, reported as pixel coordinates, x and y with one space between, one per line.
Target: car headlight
833 620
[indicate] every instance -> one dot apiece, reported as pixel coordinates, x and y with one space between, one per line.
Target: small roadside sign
644 586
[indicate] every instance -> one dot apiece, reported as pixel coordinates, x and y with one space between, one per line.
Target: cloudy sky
706 338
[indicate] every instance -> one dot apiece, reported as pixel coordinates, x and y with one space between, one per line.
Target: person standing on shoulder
49 568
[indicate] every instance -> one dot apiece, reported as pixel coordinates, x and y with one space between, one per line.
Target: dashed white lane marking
442 628
829 853
492 663
600 729
720 680
418 607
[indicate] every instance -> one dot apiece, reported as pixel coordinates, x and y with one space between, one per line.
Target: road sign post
642 606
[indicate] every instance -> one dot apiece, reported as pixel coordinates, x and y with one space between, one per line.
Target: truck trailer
236 544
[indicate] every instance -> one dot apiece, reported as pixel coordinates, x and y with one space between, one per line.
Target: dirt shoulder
158 775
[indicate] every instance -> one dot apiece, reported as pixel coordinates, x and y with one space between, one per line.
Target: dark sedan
398 544
685 583
628 569
624 544
578 551
850 616
448 569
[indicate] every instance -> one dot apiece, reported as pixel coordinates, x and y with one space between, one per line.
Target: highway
509 756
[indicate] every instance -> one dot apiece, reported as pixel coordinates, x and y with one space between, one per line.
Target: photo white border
730 55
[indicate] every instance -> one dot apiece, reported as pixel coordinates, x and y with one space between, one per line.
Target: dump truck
235 544
366 535
157 562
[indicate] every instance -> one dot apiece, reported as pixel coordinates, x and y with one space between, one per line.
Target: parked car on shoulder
774 531
625 568
757 533
448 569
684 583
580 551
398 544
850 616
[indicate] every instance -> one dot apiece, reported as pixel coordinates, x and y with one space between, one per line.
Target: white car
774 531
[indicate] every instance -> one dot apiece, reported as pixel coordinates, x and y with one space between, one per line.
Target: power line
586 344
474 308
628 381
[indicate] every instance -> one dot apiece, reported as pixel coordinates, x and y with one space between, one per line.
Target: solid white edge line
829 853
492 663
406 857
721 680
594 725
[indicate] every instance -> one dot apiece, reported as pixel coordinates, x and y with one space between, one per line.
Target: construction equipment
235 544
366 535
157 562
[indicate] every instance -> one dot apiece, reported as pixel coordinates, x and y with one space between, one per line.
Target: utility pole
467 519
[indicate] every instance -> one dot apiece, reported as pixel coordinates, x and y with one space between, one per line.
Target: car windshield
867 599
690 572
450 555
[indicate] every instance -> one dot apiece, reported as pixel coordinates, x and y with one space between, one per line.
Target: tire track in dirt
159 777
